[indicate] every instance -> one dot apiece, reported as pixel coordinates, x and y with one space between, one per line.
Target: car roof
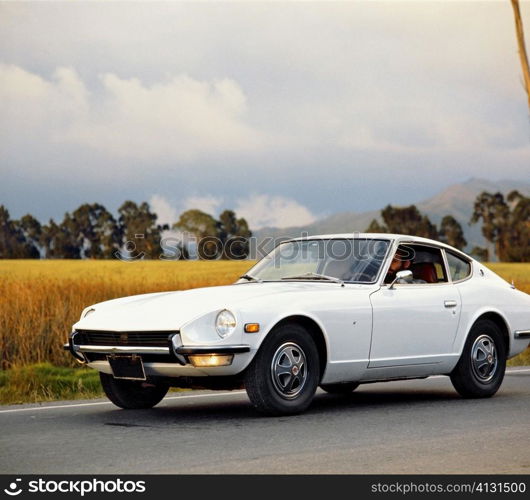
382 236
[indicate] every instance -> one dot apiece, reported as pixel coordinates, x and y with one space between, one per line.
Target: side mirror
401 275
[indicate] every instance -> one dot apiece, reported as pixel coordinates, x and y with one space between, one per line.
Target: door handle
450 303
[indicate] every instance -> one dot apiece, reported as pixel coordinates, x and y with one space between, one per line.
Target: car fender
467 322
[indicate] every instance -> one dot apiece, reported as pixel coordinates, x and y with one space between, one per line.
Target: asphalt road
397 427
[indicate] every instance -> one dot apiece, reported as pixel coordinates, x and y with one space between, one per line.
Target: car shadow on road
392 399
237 410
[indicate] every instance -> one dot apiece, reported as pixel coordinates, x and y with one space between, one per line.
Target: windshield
350 260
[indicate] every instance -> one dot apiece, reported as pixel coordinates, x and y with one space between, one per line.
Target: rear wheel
480 370
133 394
346 388
283 376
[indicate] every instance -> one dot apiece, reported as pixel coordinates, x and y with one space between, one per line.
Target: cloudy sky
284 111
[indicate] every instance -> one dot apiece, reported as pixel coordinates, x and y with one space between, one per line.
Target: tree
234 235
5 233
505 224
206 231
518 244
375 227
139 228
519 31
495 216
60 241
408 220
226 238
98 233
18 239
32 230
451 232
10 238
198 223
48 238
480 253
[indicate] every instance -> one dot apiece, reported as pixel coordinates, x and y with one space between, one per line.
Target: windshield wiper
314 276
249 277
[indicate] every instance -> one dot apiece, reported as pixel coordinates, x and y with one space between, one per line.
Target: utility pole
522 48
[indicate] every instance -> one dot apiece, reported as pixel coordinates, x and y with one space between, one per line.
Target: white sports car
332 311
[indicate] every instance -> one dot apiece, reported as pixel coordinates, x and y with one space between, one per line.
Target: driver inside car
402 261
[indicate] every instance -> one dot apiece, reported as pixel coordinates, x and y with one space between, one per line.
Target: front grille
136 339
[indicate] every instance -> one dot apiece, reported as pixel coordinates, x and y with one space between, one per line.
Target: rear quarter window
458 268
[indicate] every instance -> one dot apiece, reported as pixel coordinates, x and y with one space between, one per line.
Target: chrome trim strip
447 271
110 349
211 349
522 334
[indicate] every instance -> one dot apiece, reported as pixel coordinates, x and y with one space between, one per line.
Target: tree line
92 232
505 225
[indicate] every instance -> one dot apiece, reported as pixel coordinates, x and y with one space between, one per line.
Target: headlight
225 323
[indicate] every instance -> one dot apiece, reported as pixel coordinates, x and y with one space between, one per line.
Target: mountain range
456 200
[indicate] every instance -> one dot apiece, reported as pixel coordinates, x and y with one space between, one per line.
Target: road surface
419 426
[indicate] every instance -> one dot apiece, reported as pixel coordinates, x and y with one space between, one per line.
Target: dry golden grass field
40 300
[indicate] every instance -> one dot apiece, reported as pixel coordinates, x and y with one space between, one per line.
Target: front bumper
170 360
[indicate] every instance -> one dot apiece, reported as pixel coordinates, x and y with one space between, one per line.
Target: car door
414 324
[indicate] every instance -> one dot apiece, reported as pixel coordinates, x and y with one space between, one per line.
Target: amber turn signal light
252 328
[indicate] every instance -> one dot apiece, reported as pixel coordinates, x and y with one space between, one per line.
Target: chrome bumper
108 349
178 353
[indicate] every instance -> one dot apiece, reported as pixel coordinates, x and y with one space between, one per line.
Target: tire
480 370
132 394
283 376
341 389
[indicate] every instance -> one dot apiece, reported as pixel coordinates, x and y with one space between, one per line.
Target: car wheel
132 394
480 370
347 388
283 376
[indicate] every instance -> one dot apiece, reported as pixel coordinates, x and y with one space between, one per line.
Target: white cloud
178 119
262 210
259 210
166 213
169 213
207 203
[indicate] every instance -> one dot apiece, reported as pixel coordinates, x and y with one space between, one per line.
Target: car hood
170 311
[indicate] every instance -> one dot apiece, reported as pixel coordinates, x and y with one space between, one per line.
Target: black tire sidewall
128 394
259 378
464 378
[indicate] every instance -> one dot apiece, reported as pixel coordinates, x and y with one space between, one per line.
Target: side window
458 267
426 264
